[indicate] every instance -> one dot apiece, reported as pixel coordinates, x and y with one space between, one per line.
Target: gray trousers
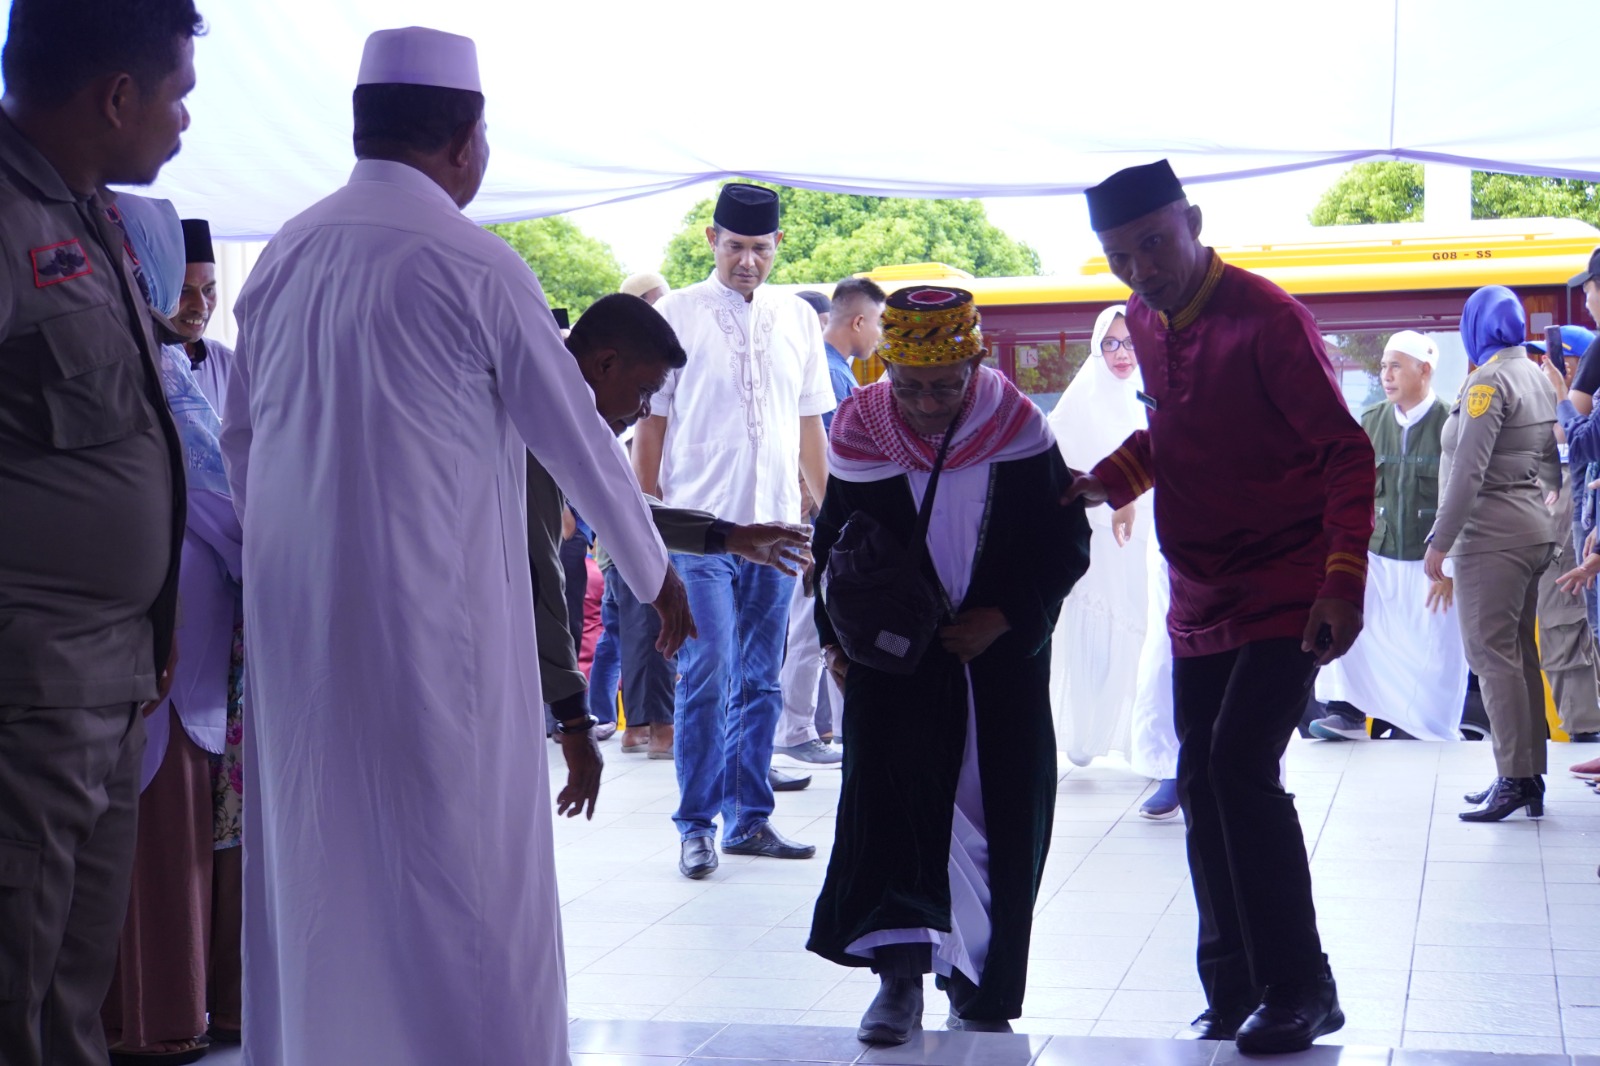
69 794
1497 597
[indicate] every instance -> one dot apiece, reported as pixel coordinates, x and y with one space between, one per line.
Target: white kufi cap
420 56
1410 342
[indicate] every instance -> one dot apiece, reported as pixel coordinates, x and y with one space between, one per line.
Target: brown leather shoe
661 742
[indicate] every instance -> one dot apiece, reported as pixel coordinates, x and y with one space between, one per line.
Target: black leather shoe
782 782
957 1024
769 843
698 858
1584 738
1506 797
1290 1017
1476 798
1213 1025
895 1013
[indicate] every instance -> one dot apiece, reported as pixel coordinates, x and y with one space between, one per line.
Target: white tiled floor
1443 935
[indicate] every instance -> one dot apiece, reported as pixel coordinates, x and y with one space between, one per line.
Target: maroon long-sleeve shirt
1263 480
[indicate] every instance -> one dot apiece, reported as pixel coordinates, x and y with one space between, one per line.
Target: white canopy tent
593 103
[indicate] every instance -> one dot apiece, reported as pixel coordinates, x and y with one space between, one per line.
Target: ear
1193 215
605 361
113 97
711 236
460 146
777 238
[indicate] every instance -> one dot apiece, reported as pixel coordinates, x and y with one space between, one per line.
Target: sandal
165 1053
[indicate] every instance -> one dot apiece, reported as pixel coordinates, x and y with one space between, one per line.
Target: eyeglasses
1111 344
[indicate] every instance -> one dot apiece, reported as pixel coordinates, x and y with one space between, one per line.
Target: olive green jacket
1407 498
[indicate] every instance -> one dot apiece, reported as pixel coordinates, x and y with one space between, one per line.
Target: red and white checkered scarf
869 440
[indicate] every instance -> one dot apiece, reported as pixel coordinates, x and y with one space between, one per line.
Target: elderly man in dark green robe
950 771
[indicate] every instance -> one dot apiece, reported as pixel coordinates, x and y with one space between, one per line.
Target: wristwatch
578 725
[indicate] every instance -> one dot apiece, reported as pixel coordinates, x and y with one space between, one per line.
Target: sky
1236 212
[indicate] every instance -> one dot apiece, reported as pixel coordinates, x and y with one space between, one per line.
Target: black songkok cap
1132 193
748 210
197 241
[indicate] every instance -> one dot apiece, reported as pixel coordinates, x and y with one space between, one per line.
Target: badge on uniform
1146 399
1478 398
55 263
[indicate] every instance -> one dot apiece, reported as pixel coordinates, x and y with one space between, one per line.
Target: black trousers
1235 712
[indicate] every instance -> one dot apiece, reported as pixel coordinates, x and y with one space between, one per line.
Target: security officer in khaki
1566 643
91 498
1500 463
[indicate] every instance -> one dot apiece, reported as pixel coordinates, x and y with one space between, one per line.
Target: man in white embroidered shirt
733 432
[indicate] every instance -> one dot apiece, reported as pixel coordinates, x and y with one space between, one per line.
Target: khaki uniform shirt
91 469
1500 459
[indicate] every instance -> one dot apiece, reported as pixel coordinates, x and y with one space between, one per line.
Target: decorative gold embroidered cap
930 326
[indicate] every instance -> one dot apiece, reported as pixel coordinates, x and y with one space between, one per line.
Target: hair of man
54 48
394 120
849 292
629 326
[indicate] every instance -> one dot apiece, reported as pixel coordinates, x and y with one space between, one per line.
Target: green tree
1392 192
574 268
828 236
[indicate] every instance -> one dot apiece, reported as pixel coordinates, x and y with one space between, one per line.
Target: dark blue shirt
844 381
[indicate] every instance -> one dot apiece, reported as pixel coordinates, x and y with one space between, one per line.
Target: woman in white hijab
1095 664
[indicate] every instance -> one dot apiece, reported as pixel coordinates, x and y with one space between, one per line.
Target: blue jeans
605 672
728 699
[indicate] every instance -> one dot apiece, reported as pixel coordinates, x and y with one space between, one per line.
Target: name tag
1146 399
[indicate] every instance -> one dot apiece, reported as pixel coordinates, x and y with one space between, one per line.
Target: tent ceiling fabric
595 103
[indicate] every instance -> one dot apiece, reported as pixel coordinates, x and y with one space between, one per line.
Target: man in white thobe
1407 667
393 363
732 433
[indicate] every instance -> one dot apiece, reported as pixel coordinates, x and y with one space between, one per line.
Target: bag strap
919 536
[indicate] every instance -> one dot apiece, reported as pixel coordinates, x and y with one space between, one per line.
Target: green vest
1408 480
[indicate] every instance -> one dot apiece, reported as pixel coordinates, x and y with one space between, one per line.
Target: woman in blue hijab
1494 524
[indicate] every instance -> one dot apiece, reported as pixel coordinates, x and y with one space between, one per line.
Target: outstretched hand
1085 487
780 545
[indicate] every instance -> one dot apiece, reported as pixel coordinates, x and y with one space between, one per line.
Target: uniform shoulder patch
1478 399
55 263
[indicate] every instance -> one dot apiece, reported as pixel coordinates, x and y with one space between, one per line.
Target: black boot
1476 798
896 1011
1291 1016
1509 795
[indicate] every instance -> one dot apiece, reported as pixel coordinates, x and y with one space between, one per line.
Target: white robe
394 361
1407 666
1153 751
1094 663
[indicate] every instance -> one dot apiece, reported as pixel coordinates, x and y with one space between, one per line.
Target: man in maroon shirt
1263 505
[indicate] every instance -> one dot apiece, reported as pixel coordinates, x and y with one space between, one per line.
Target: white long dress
400 897
1094 663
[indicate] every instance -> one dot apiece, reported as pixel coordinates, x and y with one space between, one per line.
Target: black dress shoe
895 1013
1509 795
1214 1025
782 782
1584 738
1476 798
1290 1017
769 843
698 858
957 1024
